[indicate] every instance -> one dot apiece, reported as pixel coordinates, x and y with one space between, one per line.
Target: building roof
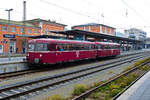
95 35
92 24
47 21
40 36
20 23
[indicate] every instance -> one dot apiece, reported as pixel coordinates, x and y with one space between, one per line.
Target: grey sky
117 13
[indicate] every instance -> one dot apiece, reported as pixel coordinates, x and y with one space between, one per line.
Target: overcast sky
121 14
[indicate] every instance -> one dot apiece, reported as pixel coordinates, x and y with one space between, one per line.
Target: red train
52 51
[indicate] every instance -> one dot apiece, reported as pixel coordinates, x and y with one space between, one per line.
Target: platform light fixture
9 32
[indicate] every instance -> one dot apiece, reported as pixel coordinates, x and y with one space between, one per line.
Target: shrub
130 78
55 97
79 88
128 68
106 98
104 88
97 84
141 61
123 84
96 95
113 86
144 68
114 92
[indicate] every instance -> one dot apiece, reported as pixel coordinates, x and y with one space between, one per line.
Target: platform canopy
41 36
95 35
83 33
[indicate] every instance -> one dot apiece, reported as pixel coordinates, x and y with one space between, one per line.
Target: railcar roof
70 41
59 41
107 43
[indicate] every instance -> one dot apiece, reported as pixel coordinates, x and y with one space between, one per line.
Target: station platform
138 91
6 60
11 60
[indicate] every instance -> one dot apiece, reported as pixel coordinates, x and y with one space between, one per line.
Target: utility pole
102 17
9 32
24 27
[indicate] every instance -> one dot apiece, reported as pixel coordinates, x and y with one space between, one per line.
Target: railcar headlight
40 55
28 54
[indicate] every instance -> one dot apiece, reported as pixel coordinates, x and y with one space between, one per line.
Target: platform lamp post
9 32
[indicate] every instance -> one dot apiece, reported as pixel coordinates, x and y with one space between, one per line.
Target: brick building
19 29
98 28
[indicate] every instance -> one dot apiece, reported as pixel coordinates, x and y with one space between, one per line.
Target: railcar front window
31 47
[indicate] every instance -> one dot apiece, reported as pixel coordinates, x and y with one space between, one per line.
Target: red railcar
52 51
107 49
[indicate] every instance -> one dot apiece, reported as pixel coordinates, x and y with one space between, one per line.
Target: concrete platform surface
5 60
12 60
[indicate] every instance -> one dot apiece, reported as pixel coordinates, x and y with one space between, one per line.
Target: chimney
24 11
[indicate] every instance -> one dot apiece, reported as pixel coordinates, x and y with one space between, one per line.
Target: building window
13 29
4 28
51 31
21 30
105 30
56 33
29 31
86 29
65 29
101 29
46 31
36 31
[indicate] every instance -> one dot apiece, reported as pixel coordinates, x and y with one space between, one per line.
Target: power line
67 9
18 12
137 13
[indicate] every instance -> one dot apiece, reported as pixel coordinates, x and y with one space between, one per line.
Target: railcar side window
42 47
105 46
60 47
66 47
98 46
31 47
115 47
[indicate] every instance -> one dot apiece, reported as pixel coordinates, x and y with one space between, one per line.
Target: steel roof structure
86 33
95 35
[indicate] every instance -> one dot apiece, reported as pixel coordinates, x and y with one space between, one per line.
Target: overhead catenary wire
135 11
69 10
20 13
107 21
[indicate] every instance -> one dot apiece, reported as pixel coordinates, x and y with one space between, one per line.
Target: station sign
8 36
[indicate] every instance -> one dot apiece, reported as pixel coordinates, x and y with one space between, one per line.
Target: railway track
87 93
31 87
23 72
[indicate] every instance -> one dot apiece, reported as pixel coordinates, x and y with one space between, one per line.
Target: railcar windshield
31 47
38 47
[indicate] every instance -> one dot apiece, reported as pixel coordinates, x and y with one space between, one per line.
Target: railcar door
65 52
59 50
52 53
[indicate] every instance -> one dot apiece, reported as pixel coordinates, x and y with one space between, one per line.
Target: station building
137 34
97 28
15 40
